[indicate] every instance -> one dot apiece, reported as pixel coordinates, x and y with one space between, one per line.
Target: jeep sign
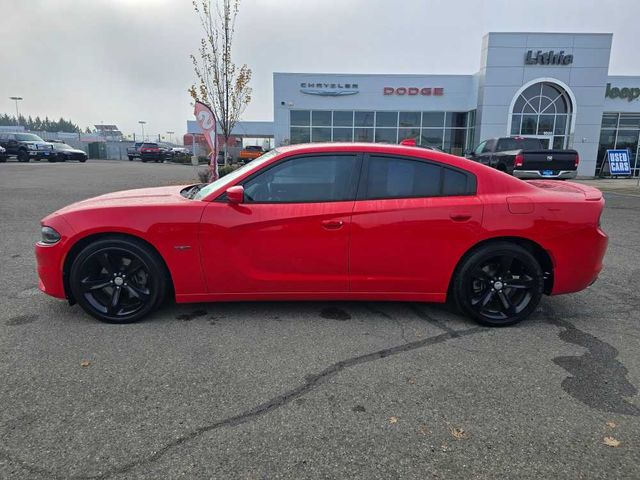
625 92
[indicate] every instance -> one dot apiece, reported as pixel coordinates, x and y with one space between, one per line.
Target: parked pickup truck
525 157
134 152
250 152
26 146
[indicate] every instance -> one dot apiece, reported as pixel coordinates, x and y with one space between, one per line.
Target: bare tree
220 84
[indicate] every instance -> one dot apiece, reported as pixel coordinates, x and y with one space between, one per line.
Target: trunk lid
554 160
590 193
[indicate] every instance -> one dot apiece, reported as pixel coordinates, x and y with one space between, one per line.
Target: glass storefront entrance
543 109
448 131
620 131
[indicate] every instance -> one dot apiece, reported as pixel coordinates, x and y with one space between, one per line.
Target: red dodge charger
341 221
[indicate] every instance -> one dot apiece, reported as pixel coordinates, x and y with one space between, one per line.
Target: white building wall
503 72
459 95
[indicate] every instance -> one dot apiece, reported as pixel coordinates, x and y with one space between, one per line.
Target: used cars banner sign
619 162
207 121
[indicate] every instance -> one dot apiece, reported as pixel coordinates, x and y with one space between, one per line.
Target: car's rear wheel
130 158
23 156
118 280
499 284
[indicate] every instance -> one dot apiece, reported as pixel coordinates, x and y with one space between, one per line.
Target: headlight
49 235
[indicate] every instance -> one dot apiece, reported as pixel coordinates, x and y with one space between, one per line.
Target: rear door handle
332 224
460 217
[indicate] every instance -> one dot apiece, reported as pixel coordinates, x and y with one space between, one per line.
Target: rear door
291 234
411 223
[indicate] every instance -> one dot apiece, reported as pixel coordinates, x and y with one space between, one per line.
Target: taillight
577 159
519 161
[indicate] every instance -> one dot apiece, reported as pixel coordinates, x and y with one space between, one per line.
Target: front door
412 222
291 234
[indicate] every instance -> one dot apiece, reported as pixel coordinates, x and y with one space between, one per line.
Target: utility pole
17 99
142 122
170 133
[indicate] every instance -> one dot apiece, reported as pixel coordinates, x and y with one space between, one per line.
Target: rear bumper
578 260
532 174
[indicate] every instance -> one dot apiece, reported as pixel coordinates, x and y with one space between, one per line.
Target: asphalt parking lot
309 390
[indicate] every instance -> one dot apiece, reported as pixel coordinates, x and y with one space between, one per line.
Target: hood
37 143
70 150
130 198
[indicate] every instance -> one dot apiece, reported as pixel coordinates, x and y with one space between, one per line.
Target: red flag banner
207 121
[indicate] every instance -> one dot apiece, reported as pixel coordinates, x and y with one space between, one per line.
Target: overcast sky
120 61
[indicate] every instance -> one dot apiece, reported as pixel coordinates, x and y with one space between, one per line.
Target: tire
118 280
498 284
3 159
23 156
82 160
130 158
143 160
52 160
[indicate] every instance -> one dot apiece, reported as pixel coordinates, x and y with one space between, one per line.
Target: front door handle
460 217
332 224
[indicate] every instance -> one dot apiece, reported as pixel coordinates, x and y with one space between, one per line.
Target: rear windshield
150 145
505 144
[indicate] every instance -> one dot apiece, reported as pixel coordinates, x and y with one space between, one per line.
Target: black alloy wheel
23 156
499 284
118 280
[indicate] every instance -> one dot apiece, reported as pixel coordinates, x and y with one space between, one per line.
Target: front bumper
533 174
42 154
50 260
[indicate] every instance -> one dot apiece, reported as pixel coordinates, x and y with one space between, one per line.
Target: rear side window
454 182
390 177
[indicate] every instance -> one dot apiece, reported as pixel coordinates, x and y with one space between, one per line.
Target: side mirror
468 153
235 194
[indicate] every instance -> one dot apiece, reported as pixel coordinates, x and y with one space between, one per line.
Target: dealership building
555 86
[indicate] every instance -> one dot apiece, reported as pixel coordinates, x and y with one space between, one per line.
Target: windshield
233 175
28 137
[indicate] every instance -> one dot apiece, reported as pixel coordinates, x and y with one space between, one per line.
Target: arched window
543 109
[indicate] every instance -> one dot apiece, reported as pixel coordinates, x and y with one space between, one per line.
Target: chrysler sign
412 91
329 89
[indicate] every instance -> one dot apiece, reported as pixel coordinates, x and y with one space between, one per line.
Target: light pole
142 122
16 99
170 133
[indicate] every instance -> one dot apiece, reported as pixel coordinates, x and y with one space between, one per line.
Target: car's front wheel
499 284
23 156
118 280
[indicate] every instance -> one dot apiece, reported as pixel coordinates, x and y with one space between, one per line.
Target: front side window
390 177
480 148
322 178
